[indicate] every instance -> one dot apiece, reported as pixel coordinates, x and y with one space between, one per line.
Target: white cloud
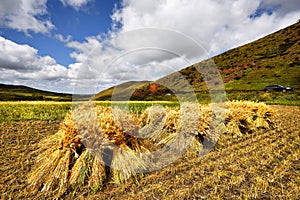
76 4
128 56
204 20
25 15
22 62
63 39
31 15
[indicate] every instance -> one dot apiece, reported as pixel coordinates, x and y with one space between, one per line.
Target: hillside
122 89
245 70
21 93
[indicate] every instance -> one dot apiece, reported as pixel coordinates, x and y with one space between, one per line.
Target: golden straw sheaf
91 137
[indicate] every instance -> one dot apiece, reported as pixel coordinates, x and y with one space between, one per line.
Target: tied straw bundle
91 137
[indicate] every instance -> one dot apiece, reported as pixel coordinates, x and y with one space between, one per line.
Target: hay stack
77 154
247 117
74 156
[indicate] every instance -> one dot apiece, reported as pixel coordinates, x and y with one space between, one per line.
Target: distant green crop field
23 111
49 110
272 98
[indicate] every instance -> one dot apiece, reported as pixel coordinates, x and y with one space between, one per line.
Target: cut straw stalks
74 156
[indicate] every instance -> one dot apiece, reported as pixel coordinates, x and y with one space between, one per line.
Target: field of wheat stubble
262 163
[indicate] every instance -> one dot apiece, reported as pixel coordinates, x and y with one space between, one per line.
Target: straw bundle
247 117
77 154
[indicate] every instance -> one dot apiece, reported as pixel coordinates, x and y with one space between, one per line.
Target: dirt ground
260 165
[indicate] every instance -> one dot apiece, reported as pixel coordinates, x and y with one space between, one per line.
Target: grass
22 93
23 111
271 98
50 110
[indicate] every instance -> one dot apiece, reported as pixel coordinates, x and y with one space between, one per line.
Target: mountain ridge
24 93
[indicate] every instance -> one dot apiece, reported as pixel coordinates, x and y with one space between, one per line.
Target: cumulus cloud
22 62
63 39
141 54
210 21
25 15
31 15
76 4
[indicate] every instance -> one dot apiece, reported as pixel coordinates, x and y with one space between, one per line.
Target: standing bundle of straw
77 154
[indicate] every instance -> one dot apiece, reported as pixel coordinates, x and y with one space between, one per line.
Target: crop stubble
256 165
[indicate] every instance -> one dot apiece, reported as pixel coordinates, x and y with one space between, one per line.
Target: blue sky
84 46
91 19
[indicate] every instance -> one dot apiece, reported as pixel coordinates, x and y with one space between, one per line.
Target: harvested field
18 146
256 165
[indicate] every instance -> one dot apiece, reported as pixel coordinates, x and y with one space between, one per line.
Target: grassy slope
273 59
123 88
17 93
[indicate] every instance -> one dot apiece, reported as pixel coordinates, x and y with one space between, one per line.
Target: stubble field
262 165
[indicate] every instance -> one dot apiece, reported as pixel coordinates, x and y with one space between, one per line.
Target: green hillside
273 59
120 90
21 93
